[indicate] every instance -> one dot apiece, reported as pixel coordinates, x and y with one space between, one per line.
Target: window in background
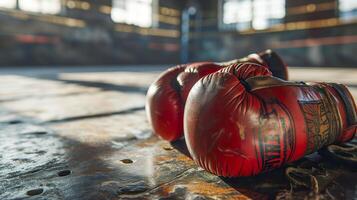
41 6
348 9
237 13
7 3
136 12
247 14
267 13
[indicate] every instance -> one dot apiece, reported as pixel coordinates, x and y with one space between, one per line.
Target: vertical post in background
187 15
155 13
185 32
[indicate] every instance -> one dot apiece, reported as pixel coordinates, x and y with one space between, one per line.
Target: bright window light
41 6
7 3
136 12
257 14
261 14
237 11
277 8
348 9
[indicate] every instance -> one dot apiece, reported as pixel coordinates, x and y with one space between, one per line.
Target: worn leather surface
240 121
167 95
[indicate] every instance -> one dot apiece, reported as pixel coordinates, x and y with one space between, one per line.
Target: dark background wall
80 36
311 34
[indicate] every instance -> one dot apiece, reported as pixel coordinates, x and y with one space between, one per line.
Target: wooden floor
82 133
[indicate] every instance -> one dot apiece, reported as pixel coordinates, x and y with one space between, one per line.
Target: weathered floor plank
85 135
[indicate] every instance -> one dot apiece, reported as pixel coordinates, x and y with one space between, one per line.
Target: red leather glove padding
167 95
267 58
238 127
246 70
277 66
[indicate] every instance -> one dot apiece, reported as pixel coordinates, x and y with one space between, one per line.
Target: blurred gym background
115 32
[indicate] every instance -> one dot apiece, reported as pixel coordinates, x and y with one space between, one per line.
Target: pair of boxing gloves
243 117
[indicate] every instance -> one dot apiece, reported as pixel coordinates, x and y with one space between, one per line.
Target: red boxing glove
267 58
166 97
241 121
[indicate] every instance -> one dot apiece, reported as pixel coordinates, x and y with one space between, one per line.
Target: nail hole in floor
15 122
39 133
127 161
34 192
168 148
64 173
